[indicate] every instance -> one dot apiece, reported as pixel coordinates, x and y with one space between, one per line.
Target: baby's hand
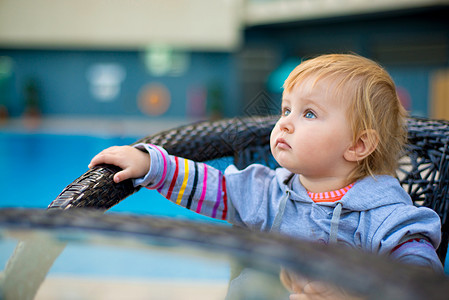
135 163
303 289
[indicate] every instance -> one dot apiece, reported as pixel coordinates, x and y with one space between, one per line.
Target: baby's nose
286 125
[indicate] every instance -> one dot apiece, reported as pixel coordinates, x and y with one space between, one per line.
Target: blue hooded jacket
375 215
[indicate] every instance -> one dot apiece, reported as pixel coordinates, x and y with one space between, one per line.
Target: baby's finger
303 297
324 291
122 175
316 287
105 157
97 160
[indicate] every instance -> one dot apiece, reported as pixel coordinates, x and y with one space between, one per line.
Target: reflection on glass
29 263
84 265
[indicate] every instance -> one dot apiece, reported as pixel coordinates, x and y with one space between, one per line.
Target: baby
338 140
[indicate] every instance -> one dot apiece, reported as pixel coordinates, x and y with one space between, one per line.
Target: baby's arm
193 185
418 251
134 163
196 186
410 235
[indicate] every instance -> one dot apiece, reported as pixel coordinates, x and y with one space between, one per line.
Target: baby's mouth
282 143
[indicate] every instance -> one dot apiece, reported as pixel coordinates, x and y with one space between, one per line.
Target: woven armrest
200 142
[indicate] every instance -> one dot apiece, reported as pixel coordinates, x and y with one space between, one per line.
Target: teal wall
63 87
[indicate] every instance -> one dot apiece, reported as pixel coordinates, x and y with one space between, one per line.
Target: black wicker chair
424 170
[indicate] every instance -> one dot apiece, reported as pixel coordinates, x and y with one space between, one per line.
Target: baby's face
313 131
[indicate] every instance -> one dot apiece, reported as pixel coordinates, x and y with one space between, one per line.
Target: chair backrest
423 172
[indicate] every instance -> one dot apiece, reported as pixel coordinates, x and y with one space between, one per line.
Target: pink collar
331 196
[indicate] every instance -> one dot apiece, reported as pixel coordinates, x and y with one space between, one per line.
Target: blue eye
309 115
285 112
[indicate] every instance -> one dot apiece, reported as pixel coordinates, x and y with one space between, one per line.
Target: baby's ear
365 144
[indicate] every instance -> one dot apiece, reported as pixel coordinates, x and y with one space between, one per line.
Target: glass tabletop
83 254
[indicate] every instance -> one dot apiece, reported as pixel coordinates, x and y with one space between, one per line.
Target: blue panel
64 88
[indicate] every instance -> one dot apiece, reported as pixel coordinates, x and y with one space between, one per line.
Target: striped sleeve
196 186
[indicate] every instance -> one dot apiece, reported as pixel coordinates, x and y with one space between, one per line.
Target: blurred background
171 61
78 76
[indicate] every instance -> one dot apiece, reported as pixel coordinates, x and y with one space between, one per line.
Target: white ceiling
185 24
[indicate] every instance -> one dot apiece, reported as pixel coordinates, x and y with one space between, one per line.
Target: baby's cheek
273 135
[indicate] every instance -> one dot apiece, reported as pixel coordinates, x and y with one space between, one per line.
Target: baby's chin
287 167
280 162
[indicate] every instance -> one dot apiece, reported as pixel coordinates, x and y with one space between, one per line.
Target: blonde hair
374 105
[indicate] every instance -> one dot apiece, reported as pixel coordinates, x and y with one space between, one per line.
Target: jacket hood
379 191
